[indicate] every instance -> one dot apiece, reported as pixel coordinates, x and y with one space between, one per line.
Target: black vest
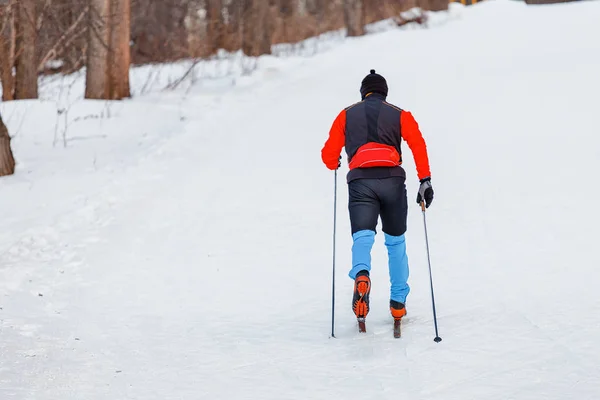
372 120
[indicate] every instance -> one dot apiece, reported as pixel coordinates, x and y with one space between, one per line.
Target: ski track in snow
192 258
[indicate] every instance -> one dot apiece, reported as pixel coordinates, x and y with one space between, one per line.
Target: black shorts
370 198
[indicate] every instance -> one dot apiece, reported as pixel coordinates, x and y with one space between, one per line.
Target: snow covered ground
178 245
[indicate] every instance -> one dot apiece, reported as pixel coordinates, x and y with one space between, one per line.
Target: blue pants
369 199
397 261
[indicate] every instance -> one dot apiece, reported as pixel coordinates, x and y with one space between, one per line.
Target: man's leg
394 211
363 206
361 251
398 266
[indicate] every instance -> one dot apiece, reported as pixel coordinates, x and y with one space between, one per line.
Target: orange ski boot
398 311
360 300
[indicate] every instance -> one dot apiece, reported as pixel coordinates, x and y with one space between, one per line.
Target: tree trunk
7 161
215 24
315 7
197 26
26 81
433 5
354 15
318 9
119 55
232 13
287 8
257 28
96 84
7 56
6 76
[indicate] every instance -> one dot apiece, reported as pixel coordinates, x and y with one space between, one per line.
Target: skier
372 131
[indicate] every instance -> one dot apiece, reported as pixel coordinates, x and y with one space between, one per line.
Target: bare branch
176 83
65 40
42 15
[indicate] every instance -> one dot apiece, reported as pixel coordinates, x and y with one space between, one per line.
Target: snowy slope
180 248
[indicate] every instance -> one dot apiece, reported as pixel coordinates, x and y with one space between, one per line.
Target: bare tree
215 24
233 11
97 33
293 22
96 85
315 7
62 35
7 50
109 54
119 53
433 5
68 35
257 28
287 8
158 30
6 76
26 80
197 25
7 161
354 15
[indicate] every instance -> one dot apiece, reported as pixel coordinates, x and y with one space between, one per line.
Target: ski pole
333 278
437 336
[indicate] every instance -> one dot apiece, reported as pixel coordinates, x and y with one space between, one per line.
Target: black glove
425 192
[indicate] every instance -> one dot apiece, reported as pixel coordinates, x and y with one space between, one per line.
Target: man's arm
337 139
413 137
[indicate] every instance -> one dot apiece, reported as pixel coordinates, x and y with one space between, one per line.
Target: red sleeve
337 139
413 137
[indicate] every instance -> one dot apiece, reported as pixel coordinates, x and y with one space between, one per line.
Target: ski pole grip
423 206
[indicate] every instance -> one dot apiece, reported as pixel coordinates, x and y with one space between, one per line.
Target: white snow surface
178 245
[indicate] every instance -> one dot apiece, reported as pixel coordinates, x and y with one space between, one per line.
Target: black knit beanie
373 83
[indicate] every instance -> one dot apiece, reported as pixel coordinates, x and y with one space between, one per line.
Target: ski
361 325
397 328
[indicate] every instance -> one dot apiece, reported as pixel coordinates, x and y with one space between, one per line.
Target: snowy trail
203 271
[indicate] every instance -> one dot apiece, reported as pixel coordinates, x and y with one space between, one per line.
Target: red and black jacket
372 132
